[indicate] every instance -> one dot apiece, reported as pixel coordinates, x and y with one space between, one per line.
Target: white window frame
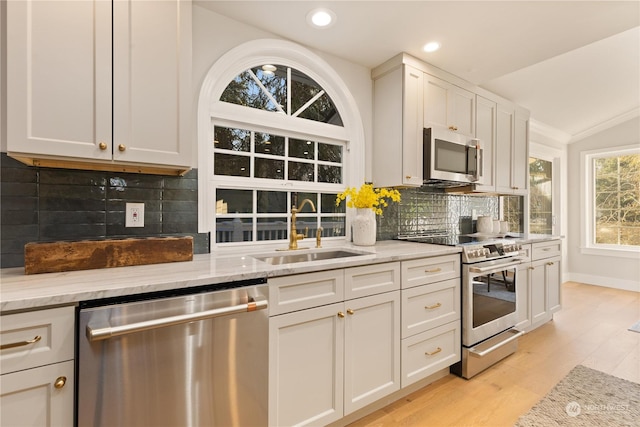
269 51
587 191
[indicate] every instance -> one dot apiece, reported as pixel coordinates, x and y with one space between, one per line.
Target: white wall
214 35
610 271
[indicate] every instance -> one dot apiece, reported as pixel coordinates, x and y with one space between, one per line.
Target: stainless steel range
489 280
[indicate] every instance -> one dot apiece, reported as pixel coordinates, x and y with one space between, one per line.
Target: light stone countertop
22 292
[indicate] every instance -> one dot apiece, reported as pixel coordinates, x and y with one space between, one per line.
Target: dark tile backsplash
43 205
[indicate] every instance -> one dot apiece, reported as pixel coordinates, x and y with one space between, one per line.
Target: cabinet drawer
291 293
427 353
36 338
430 270
371 279
428 306
546 250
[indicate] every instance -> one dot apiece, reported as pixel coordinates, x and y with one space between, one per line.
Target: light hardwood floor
591 329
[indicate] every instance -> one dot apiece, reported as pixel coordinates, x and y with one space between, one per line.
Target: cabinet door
412 139
505 121
59 78
29 397
372 349
152 75
523 295
520 159
461 111
486 132
553 281
435 102
449 106
306 366
539 300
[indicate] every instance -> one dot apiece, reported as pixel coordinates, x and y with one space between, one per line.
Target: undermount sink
294 257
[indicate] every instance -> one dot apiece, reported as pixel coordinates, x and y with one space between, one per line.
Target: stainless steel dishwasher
199 359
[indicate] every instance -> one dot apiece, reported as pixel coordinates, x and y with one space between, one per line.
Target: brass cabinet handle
433 270
122 147
432 307
102 146
60 382
408 177
340 314
21 343
349 311
549 263
532 268
514 188
436 351
453 128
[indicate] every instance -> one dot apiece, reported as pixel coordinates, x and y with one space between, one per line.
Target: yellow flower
368 197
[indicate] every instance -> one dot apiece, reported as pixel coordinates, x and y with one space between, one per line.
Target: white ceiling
574 64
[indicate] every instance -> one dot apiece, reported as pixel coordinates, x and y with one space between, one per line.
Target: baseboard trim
608 282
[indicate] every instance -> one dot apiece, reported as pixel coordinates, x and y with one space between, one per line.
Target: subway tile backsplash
43 205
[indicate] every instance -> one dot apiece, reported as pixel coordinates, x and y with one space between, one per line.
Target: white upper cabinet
449 106
64 83
397 128
486 111
512 150
59 78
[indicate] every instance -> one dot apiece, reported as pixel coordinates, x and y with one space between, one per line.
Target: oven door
488 299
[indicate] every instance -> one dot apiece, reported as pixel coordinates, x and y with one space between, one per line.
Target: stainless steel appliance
197 359
451 159
489 299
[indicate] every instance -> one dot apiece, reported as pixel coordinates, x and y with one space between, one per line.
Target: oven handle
494 268
106 332
476 353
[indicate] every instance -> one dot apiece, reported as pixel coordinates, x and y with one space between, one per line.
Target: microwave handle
478 174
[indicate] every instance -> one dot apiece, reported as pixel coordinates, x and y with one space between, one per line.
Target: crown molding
546 131
606 125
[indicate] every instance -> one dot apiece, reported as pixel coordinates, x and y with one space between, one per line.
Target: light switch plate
134 215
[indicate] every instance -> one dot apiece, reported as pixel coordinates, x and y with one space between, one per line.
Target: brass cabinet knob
60 382
408 177
549 263
532 268
121 147
340 314
349 311
102 146
453 128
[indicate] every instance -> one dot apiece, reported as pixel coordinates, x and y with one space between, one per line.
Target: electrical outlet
134 215
474 214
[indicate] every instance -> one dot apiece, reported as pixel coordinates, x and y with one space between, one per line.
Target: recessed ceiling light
431 47
269 69
321 18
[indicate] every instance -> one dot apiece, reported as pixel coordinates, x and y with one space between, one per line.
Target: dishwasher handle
106 332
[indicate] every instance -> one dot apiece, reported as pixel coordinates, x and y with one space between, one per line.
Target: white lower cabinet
329 361
538 287
37 367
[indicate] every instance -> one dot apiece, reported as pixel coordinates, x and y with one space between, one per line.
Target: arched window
276 126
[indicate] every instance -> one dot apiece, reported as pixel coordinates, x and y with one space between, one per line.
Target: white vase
364 227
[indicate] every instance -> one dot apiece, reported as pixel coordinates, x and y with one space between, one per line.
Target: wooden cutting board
53 257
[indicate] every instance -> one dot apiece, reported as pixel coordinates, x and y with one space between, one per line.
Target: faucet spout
293 232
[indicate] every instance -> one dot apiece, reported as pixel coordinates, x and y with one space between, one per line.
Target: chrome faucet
293 233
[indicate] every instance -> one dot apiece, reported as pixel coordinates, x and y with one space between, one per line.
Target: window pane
616 204
272 202
227 164
272 228
245 91
330 153
275 82
540 196
232 139
301 149
269 168
303 89
269 144
233 230
301 171
236 201
333 226
332 174
328 202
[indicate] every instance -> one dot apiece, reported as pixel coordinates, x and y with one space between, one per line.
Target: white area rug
635 327
587 398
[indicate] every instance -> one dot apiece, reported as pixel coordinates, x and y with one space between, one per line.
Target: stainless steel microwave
451 157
